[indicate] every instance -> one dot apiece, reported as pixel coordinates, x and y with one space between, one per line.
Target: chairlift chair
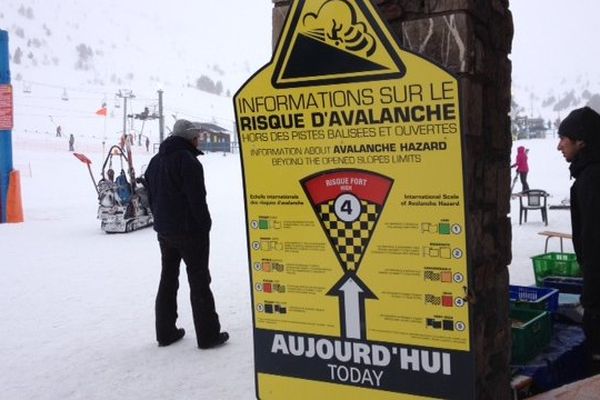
123 205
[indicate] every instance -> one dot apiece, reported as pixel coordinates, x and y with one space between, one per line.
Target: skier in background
522 167
71 142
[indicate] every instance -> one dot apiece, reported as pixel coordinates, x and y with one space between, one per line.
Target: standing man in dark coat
177 195
580 144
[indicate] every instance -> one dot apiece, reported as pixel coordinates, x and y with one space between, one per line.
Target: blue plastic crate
536 298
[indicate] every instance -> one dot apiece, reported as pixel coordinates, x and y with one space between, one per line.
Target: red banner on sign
6 108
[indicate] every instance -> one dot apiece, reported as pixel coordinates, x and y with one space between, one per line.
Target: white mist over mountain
555 56
69 57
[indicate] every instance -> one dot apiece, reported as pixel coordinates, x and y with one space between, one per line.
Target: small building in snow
213 137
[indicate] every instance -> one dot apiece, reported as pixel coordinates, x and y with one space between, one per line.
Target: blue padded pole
6 160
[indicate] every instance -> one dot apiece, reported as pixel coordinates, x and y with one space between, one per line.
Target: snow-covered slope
87 51
69 57
555 56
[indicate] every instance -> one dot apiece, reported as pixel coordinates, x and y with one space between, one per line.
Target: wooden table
552 234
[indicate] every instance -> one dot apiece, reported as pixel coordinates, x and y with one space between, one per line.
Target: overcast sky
555 39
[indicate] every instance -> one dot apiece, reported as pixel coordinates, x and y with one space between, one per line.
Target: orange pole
14 206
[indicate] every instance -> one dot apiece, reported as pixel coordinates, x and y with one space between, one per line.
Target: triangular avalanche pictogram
335 41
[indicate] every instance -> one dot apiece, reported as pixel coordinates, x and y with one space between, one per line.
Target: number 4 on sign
347 207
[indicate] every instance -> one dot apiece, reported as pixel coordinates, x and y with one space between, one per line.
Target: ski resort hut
537 128
529 128
214 137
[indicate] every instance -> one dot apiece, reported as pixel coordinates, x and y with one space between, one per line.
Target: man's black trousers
194 250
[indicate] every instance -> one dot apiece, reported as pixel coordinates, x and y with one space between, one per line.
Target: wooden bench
551 234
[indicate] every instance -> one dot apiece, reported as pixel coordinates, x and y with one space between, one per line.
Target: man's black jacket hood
177 194
585 221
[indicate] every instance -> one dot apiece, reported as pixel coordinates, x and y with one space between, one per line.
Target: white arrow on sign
352 308
352 292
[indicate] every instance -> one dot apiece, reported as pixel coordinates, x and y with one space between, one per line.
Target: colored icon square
267 287
263 224
448 325
447 301
444 229
444 252
269 308
446 276
433 323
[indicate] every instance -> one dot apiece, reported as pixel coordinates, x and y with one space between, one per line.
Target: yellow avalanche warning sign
352 160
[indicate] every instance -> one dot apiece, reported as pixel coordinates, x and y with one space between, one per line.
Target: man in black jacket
580 144
177 196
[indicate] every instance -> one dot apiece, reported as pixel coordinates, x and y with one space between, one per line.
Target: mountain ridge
69 58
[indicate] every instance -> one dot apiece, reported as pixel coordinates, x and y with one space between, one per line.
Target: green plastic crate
555 264
531 333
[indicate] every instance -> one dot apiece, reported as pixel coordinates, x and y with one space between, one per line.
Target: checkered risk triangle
348 204
349 239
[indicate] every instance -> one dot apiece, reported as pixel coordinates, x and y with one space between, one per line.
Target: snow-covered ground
77 304
548 171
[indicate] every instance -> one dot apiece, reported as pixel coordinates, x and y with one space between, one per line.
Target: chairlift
65 95
123 205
